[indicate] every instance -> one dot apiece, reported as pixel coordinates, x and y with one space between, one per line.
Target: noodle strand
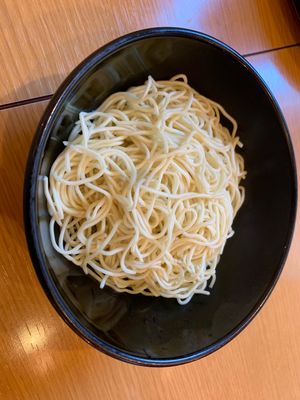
144 195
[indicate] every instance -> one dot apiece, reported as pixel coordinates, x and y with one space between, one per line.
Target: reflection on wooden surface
41 41
41 358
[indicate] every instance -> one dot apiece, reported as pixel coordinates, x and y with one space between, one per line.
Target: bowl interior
157 328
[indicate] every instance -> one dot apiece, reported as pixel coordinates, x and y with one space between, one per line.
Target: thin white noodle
145 192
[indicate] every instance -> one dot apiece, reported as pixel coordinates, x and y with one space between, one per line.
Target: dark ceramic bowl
297 7
158 331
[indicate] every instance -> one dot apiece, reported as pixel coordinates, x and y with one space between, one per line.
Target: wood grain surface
41 41
41 357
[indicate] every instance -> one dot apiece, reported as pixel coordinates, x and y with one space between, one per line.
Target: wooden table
40 356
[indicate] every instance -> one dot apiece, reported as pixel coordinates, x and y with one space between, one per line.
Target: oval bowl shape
157 331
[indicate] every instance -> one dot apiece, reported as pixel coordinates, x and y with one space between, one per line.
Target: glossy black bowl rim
31 179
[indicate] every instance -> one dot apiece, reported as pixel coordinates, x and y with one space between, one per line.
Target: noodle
144 194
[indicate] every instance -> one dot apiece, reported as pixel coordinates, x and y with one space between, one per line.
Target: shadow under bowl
158 331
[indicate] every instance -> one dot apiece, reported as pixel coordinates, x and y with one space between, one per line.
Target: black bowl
297 7
158 331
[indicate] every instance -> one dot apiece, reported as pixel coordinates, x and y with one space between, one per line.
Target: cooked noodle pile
144 195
